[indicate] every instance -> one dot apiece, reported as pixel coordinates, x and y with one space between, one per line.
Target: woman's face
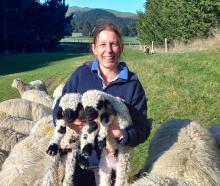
107 49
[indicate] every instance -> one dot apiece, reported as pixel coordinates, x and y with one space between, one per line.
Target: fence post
165 45
152 47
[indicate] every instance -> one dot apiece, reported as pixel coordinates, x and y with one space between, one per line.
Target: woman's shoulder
85 66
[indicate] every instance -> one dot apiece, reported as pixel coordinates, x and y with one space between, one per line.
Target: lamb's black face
68 114
91 113
92 126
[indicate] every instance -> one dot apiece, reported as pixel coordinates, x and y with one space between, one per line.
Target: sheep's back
192 154
24 109
38 96
16 123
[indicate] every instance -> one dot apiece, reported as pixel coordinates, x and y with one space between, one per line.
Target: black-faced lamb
101 109
69 109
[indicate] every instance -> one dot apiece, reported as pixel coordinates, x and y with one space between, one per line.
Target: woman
108 74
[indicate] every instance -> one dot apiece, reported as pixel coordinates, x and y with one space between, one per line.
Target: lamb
184 150
100 110
22 86
8 138
24 109
70 108
18 124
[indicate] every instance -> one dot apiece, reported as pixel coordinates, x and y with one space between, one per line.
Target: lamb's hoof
102 144
87 150
83 162
52 149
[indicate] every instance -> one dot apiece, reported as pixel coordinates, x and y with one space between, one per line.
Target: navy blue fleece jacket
126 86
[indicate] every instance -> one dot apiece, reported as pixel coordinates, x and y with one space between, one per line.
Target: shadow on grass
16 63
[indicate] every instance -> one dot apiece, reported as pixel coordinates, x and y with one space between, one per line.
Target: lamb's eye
85 136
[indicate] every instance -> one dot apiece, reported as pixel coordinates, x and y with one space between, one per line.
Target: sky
120 5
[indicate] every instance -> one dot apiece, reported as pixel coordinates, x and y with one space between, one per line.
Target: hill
84 19
76 9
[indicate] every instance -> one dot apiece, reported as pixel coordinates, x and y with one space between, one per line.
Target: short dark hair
105 26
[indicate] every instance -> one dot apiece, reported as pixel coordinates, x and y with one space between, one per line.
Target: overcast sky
120 5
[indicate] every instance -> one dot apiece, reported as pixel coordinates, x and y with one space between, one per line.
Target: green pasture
77 38
178 86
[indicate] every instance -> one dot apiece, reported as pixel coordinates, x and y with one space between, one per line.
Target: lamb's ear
59 113
109 107
79 107
100 105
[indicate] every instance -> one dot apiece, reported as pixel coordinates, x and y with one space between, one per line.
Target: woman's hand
77 125
114 130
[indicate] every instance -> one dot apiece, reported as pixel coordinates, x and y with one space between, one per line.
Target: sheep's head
70 107
17 82
20 85
98 107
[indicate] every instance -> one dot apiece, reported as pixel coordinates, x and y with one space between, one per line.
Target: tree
182 20
28 25
124 30
86 28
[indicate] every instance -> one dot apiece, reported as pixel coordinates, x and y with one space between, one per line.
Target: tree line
32 26
178 20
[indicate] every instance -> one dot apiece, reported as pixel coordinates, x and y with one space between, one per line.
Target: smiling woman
106 73
107 47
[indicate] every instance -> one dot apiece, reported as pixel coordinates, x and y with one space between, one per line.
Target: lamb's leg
87 139
103 132
123 166
104 170
59 132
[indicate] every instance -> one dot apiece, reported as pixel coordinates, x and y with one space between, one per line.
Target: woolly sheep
26 163
21 86
34 91
38 97
69 109
18 124
184 150
155 180
24 109
3 156
100 110
57 93
8 139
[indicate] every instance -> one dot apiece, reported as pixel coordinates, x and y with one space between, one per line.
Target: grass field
183 85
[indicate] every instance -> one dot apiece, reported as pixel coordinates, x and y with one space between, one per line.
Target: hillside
84 19
76 9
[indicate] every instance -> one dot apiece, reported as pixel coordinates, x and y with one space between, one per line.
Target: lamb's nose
91 113
69 115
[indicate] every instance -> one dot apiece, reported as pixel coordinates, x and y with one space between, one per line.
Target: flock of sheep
181 152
